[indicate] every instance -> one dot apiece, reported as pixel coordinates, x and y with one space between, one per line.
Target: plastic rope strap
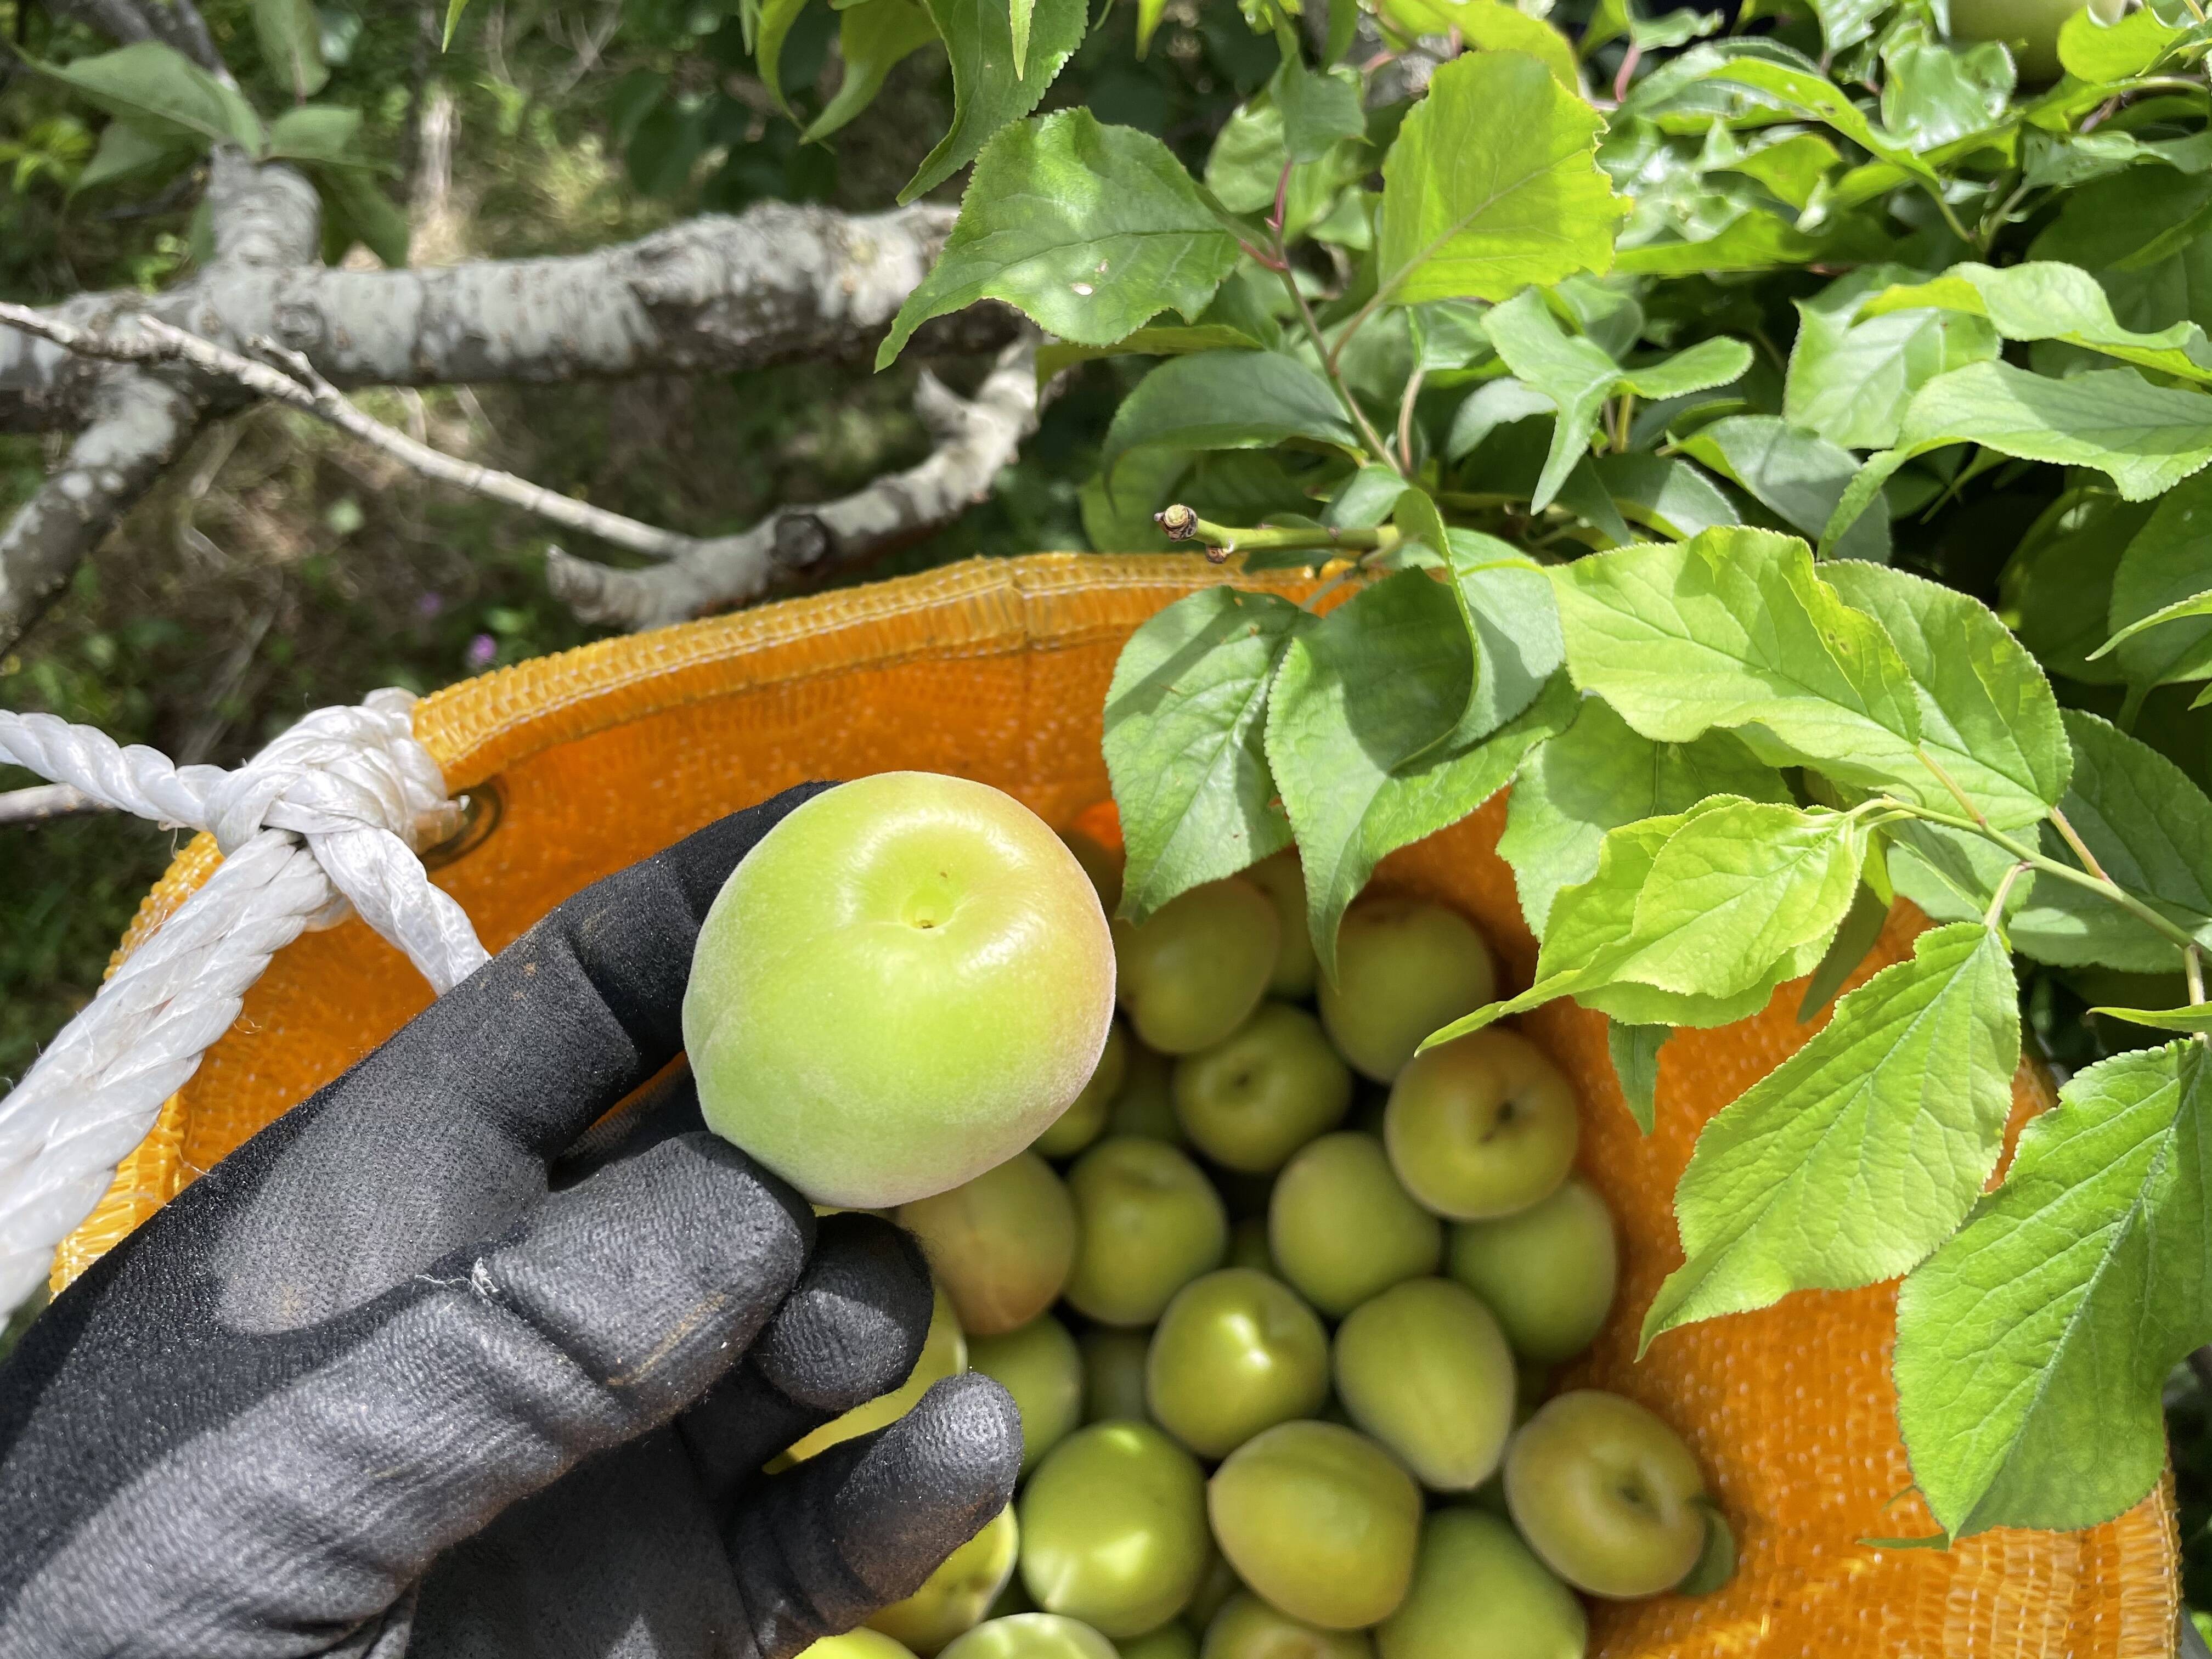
324 821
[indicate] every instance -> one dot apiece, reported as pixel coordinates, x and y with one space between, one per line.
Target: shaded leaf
1488 26
1635 1053
1318 109
1852 373
1228 400
2046 300
873 38
1797 476
1185 723
163 93
1862 926
987 92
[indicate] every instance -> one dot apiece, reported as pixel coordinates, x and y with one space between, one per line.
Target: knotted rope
324 820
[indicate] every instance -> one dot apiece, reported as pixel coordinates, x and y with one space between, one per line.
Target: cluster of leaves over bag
1620 380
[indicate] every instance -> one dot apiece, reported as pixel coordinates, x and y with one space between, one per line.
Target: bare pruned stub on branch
133 376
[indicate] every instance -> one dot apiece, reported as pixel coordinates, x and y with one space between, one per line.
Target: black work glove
425 1369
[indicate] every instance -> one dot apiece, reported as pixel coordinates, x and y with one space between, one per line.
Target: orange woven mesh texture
998 671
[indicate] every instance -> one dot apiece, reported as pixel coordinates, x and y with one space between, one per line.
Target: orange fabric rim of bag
998 670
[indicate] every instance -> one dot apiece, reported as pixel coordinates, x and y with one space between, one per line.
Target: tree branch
138 427
44 802
976 437
174 23
776 283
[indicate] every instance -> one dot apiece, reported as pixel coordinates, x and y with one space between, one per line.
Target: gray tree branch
975 437
776 283
174 23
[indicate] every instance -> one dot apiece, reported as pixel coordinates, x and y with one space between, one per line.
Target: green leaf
1357 710
1185 720
2144 437
1798 477
1577 376
2197 1017
2044 300
776 18
1988 716
1663 493
357 209
1489 406
1934 94
454 10
1505 600
1694 919
1018 17
1735 628
1246 163
2095 50
2161 579
1635 1053
1228 400
1488 26
1149 13
987 92
1166 340
125 152
1814 98
1599 774
1492 185
1792 168
1318 110
873 38
1851 374
1862 926
317 132
164 95
1846 22
1448 334
290 36
1089 230
1859 1154
2032 1348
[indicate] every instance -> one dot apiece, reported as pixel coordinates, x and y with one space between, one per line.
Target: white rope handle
324 821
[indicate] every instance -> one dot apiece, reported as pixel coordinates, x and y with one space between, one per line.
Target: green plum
957 1596
1263 1091
1114 1374
944 1353
1170 1641
1084 1120
861 1644
1404 967
1343 1228
1248 1245
871 920
1424 1367
1482 1126
1002 1245
1282 879
1145 1105
1479 1593
1548 1273
1197 967
1114 1529
1318 1521
1248 1628
1042 1367
1607 1494
1102 863
1032 1636
1236 1353
1147 1223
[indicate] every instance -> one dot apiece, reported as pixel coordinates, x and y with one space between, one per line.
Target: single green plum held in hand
1343 1228
1282 879
1479 1593
897 988
1404 968
1424 1367
1237 1352
1320 1521
1002 1245
1248 1628
1481 1127
1041 1366
1084 1120
1548 1273
1114 1529
1264 1090
1031 1636
1607 1494
1197 967
955 1597
1147 1223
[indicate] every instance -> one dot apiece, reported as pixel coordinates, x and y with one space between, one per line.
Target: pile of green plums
1278 1298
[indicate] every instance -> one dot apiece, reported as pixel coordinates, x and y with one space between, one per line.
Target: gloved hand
425 1369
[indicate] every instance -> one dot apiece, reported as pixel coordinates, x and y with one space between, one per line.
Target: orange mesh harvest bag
998 670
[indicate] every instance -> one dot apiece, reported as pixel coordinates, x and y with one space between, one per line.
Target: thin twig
2081 849
43 802
1406 419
